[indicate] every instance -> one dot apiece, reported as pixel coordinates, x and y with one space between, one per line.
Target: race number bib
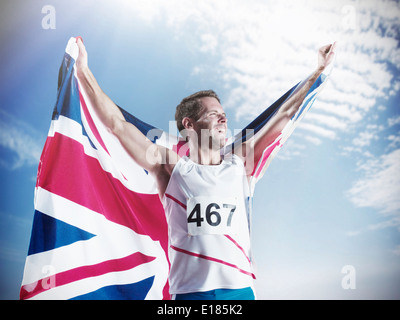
206 215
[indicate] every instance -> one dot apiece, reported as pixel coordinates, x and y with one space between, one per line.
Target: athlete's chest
224 179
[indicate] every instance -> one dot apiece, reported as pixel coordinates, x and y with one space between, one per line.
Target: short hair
191 107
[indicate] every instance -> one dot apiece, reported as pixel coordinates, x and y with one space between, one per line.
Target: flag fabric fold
99 229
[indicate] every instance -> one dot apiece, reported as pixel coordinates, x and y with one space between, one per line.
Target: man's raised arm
274 127
147 154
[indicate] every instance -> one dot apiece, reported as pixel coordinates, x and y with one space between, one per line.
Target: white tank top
207 210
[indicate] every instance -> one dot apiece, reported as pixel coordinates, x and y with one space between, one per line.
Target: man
205 194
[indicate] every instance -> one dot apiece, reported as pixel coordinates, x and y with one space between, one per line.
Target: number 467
213 217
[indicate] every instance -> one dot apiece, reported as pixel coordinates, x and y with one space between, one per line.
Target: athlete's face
212 121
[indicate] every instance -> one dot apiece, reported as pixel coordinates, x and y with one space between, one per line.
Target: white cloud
396 251
320 131
394 140
352 233
209 43
393 121
395 222
326 120
379 187
373 133
364 139
313 140
23 140
344 112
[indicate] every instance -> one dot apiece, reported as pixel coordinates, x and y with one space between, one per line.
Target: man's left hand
325 55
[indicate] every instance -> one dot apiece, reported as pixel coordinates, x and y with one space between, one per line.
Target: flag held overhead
99 224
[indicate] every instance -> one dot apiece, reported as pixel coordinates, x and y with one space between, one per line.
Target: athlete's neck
205 156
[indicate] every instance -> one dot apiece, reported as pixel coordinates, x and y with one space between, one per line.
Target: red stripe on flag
264 159
72 275
91 122
213 259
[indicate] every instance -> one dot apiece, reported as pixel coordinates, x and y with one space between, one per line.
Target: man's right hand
82 61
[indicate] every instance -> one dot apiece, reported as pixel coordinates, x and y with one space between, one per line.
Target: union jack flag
99 229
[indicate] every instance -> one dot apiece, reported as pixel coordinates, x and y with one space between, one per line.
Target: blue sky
330 199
